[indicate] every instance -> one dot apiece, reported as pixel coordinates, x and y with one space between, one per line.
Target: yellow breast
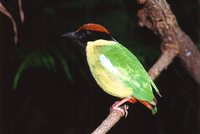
106 78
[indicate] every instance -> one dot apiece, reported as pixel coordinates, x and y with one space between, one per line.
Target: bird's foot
123 109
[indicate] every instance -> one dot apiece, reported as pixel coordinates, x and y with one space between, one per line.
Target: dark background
61 97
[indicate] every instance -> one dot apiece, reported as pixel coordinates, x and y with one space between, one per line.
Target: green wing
131 71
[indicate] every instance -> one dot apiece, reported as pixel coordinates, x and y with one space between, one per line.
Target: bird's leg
132 100
124 111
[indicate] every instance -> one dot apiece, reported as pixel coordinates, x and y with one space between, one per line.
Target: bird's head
89 32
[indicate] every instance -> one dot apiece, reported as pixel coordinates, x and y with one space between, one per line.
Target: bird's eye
82 35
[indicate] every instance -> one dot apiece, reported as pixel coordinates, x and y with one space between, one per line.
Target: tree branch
21 12
168 54
5 12
157 16
110 121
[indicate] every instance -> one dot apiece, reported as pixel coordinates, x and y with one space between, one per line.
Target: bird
116 70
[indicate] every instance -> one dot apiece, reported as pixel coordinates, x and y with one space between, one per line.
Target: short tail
154 110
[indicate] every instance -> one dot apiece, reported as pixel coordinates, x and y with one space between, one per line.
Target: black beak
70 35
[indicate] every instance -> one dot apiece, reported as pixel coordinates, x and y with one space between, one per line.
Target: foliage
41 59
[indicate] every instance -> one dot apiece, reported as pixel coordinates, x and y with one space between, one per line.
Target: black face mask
84 36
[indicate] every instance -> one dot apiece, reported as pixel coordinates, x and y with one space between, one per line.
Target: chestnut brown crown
93 27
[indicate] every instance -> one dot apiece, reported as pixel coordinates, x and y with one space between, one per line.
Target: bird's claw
123 109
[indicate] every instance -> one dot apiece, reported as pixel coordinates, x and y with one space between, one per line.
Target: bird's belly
111 84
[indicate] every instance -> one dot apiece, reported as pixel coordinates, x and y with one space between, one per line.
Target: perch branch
110 121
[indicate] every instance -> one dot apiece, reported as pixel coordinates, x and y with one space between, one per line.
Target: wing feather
131 71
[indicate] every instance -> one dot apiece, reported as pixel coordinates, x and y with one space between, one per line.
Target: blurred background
45 83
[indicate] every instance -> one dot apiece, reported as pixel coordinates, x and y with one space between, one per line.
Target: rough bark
157 16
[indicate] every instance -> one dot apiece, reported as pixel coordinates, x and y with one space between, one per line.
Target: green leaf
34 60
42 59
